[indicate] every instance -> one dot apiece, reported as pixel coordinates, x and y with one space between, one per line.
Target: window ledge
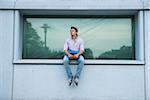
87 62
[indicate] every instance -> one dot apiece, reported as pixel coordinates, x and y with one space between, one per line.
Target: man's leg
68 69
79 69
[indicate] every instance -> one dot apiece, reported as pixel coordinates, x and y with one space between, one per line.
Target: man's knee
65 59
81 59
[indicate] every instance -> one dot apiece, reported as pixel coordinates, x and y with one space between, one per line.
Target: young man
73 49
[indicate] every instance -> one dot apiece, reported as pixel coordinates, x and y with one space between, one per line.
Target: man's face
73 32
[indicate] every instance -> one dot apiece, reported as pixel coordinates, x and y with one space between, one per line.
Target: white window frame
139 39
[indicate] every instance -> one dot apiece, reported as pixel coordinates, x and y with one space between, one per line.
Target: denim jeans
80 61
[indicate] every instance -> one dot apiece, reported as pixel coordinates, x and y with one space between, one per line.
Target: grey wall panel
6 52
147 52
7 4
80 4
147 4
69 4
97 82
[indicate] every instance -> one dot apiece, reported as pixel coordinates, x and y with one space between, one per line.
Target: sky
98 34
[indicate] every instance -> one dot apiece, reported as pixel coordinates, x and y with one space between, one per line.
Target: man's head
73 32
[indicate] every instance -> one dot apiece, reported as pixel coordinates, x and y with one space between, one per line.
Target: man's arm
65 50
81 50
80 53
68 54
77 55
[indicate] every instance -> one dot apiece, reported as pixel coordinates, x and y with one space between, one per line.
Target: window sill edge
87 62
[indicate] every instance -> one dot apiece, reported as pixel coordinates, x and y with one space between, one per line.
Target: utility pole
45 27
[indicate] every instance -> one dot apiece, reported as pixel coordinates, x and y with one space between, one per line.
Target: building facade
44 79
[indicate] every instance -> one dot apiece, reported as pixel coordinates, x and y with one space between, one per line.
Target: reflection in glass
104 38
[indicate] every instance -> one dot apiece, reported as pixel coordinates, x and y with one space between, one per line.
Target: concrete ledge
73 4
7 4
147 5
87 62
80 4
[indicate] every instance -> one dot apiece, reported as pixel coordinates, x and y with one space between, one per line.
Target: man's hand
71 56
76 56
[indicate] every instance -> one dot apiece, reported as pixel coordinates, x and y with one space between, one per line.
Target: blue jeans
80 61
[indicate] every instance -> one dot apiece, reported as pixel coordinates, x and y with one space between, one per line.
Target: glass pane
104 38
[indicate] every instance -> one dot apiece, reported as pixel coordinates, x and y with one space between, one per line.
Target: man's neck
73 37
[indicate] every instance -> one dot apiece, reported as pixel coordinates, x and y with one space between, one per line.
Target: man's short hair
72 27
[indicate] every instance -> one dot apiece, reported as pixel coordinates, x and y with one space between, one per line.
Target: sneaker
70 81
76 79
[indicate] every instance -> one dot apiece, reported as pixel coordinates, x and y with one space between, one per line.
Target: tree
125 52
33 47
88 54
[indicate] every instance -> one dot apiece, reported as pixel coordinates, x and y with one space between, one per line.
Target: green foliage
33 47
125 52
88 54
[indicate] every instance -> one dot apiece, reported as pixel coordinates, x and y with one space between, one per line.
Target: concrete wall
99 82
44 81
147 53
6 53
71 4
